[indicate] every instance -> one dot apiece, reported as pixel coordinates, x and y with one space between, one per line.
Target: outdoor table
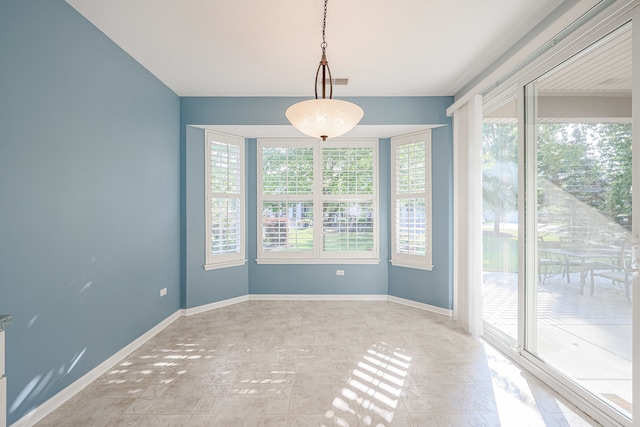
586 256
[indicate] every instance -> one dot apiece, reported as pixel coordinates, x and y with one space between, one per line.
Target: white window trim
317 256
213 262
422 262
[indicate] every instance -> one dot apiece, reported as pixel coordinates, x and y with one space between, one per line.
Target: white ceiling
272 48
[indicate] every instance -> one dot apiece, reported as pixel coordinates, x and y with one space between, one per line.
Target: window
317 201
411 200
225 204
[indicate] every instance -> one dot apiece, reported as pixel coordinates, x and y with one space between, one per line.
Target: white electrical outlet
163 292
339 272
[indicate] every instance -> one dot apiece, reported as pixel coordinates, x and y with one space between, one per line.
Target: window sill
406 264
317 261
226 264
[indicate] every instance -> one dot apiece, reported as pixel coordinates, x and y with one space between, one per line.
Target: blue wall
89 198
430 287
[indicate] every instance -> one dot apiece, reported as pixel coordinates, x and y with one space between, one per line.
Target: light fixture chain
324 26
324 117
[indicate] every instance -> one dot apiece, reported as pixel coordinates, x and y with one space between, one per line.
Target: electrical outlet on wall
339 272
163 292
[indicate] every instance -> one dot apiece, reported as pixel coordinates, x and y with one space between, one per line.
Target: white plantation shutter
411 200
348 198
224 174
348 170
410 226
287 226
225 226
317 201
287 170
286 188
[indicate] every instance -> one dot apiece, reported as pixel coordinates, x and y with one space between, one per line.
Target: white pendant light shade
324 118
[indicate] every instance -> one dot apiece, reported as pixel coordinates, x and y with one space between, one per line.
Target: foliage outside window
411 226
590 163
225 200
317 201
499 172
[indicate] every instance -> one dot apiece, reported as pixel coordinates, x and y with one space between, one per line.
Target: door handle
634 262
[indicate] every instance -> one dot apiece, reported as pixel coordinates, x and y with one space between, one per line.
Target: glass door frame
635 201
611 17
529 339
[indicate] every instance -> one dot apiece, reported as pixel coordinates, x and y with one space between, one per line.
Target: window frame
421 262
317 255
217 261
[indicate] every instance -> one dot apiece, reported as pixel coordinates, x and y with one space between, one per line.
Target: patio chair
614 272
549 263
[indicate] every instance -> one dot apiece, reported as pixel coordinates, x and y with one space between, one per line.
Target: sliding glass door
500 218
561 201
579 188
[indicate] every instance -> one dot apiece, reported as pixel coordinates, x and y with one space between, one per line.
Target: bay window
317 201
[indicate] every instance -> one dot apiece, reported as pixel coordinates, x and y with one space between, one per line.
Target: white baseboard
421 306
317 297
37 414
309 297
214 305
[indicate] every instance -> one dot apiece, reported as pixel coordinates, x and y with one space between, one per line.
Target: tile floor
313 363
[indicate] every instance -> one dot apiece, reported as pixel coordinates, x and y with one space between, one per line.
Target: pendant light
324 117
